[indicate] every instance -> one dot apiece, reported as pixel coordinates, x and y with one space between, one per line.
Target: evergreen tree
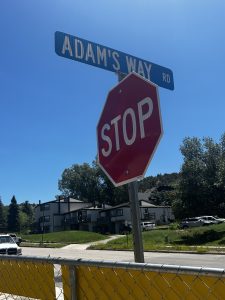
2 216
13 216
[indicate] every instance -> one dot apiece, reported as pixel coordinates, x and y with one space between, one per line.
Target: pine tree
2 216
13 216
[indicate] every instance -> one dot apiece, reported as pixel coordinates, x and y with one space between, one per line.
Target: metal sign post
135 214
135 219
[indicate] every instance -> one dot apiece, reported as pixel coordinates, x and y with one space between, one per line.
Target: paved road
181 259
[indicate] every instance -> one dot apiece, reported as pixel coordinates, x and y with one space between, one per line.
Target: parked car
147 225
221 220
212 219
8 246
194 222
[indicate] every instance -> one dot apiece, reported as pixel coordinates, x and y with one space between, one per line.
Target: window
6 239
113 213
44 219
119 212
45 206
152 216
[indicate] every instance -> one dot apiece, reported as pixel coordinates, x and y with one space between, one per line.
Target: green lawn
198 239
64 237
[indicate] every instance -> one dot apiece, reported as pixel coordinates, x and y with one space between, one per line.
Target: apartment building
72 214
49 216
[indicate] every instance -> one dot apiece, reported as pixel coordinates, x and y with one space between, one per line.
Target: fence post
72 271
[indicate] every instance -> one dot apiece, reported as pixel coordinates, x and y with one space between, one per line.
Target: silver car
194 222
212 219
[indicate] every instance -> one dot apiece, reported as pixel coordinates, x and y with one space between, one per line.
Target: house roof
153 205
93 208
144 204
126 204
62 200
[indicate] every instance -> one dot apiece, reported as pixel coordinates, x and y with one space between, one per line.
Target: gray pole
135 219
135 214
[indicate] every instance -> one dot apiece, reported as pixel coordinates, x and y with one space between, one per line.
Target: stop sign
129 129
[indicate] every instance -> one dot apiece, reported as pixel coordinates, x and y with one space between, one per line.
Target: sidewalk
85 246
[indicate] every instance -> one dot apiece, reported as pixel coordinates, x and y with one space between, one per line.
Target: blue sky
50 106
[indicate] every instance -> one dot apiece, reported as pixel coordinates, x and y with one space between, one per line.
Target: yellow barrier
48 279
116 283
28 279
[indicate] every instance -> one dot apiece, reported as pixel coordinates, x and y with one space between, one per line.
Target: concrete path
85 246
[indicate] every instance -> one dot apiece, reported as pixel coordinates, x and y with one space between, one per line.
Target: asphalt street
78 252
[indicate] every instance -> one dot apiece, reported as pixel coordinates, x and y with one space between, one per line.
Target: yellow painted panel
28 279
66 282
108 283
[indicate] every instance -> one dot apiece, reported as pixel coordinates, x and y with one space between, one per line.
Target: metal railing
62 279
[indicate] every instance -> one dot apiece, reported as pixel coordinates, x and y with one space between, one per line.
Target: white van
147 225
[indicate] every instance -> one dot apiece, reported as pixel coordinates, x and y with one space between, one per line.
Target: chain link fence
63 279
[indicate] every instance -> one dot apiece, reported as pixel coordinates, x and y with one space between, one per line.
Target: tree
26 216
26 207
80 182
109 194
13 216
24 222
162 188
221 168
211 159
220 181
201 187
192 177
162 195
2 216
147 183
89 183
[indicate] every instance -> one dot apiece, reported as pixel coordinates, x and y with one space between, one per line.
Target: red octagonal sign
129 129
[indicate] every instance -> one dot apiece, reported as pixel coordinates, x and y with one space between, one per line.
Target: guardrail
56 278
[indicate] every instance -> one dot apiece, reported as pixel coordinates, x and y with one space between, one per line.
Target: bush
201 237
174 226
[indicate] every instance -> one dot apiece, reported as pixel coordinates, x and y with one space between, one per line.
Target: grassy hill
65 237
199 239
